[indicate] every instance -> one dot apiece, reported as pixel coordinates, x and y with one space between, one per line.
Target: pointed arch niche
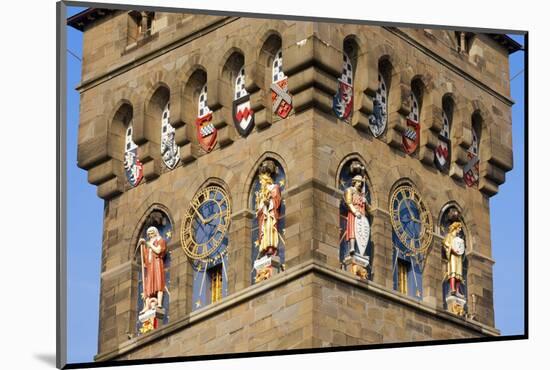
160 220
349 168
271 169
450 214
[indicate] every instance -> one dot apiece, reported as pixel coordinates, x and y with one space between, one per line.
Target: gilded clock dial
411 220
205 223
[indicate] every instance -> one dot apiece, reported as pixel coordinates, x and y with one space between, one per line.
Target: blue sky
85 212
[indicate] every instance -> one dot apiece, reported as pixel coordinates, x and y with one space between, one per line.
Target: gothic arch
215 174
398 175
465 217
358 157
253 169
155 202
119 117
340 156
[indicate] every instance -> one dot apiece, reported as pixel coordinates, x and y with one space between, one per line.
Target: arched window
342 103
132 166
411 239
205 241
267 237
454 261
471 169
206 132
442 156
169 150
355 219
411 135
379 118
153 255
280 98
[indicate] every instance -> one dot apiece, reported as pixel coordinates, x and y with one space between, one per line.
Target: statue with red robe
153 251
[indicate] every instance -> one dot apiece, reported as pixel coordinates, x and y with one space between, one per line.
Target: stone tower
172 104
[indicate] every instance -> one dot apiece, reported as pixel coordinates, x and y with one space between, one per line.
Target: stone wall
310 306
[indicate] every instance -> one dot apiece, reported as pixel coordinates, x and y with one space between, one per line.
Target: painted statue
268 204
358 227
454 246
153 251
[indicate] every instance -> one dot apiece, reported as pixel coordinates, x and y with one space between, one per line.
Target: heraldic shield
133 167
362 234
442 153
280 98
411 136
342 102
471 170
206 132
243 115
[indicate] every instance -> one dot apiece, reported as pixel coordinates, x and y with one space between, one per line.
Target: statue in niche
454 248
357 227
152 264
357 231
268 204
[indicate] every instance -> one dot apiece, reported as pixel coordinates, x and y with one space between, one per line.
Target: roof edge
86 17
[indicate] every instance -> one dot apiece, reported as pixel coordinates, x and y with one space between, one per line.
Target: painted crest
281 100
411 135
443 148
132 166
442 153
378 119
207 134
243 115
362 233
342 102
471 170
168 149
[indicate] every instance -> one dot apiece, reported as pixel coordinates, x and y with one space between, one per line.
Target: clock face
206 223
411 220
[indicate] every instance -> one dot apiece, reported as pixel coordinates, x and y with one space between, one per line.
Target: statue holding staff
153 251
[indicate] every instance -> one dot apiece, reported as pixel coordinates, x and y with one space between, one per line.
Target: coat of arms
471 170
442 153
168 148
132 166
378 118
280 98
207 134
342 102
243 115
411 136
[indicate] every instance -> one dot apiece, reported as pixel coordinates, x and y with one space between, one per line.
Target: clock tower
276 185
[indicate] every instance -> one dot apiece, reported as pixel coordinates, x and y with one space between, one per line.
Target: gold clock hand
198 213
408 208
207 221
